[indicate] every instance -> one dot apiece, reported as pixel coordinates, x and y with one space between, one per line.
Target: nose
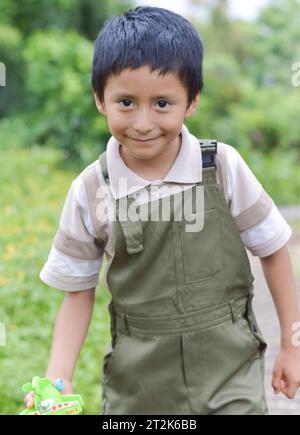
142 123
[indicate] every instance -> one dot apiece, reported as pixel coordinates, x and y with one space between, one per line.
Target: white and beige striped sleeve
76 254
262 228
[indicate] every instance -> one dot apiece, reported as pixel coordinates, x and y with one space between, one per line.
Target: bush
61 110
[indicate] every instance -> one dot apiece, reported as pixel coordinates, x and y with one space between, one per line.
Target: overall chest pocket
201 247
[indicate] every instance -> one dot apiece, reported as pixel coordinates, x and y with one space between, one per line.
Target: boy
184 335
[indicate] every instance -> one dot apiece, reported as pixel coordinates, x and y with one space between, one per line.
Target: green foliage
31 203
10 52
47 48
84 16
61 106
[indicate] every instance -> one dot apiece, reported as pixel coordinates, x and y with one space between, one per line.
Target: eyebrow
156 97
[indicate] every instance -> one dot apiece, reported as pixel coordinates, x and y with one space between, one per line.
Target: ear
193 106
100 106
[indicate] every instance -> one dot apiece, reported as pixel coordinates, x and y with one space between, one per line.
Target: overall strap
209 165
132 230
209 151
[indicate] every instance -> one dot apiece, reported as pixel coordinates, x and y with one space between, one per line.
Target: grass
32 195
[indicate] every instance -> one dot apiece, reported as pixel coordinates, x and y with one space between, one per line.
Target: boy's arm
279 276
278 272
70 330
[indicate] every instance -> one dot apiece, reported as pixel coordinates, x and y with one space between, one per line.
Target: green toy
49 401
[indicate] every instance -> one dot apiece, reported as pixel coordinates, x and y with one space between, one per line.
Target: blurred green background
50 130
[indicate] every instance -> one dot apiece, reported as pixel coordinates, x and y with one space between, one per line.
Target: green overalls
184 336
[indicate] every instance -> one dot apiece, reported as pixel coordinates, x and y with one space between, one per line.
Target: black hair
157 37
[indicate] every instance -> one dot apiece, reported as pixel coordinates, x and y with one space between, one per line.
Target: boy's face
145 111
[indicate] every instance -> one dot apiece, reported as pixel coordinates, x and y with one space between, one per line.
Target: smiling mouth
145 140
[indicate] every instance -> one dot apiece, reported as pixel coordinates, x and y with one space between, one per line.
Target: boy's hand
29 398
286 372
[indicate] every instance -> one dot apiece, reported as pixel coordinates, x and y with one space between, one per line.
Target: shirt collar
187 168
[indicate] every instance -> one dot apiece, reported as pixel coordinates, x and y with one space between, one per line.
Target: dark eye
163 102
126 101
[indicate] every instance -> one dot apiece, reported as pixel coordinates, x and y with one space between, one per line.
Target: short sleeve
76 254
262 227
